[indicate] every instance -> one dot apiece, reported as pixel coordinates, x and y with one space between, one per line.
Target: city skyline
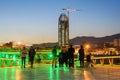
36 21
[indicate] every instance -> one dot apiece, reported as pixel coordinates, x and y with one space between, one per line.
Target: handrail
104 57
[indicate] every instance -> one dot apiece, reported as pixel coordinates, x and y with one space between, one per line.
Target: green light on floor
77 63
14 57
57 53
50 55
65 69
0 56
78 55
7 56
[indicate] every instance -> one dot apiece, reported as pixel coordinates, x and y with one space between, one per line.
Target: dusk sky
36 21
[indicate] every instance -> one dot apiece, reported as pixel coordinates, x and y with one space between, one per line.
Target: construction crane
68 12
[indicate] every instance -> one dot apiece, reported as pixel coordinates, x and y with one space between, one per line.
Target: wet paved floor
46 72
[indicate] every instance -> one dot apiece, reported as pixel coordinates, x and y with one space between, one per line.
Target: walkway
46 72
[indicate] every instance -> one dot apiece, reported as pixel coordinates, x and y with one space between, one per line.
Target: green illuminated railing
14 58
10 59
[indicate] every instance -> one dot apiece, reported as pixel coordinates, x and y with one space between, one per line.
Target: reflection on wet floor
46 72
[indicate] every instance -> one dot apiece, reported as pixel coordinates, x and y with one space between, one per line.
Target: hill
94 40
78 40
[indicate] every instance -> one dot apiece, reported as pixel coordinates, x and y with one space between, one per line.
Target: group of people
31 53
64 56
67 56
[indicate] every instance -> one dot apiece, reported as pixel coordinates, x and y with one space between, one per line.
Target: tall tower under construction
63 30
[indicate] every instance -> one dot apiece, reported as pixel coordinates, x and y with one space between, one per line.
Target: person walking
71 51
23 56
31 55
54 53
81 56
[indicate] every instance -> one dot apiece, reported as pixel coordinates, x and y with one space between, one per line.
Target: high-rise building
63 30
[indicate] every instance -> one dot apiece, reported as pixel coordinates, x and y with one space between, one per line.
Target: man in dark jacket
81 56
31 55
71 51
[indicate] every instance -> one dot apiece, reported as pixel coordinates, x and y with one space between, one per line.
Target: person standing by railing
23 55
31 55
81 56
71 51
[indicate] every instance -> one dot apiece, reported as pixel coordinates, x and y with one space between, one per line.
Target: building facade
63 30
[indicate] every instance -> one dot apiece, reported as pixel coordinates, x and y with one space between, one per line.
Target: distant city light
19 43
87 46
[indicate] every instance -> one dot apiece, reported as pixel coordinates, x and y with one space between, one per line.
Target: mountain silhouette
78 40
94 40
